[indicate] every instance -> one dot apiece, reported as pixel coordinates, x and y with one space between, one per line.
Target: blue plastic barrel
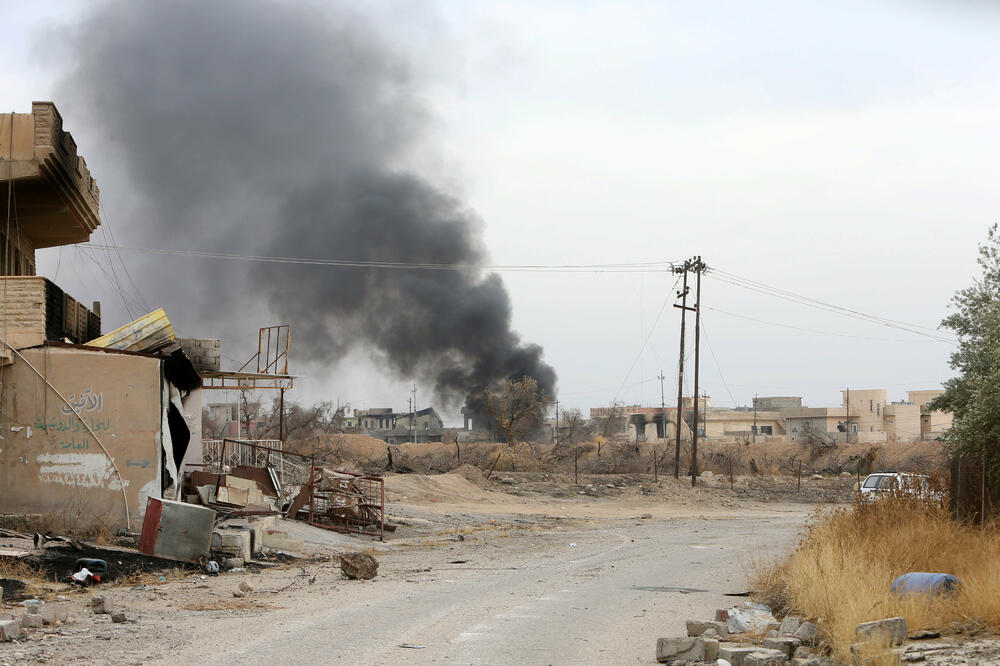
918 582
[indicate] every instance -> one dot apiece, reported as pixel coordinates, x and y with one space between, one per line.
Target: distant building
423 425
865 415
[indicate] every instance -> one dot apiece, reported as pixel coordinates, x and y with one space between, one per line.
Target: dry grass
842 571
35 582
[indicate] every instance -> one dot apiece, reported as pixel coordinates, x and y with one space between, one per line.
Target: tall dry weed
842 571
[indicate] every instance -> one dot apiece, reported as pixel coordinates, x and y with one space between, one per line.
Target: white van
882 482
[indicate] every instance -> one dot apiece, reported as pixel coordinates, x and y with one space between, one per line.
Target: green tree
973 397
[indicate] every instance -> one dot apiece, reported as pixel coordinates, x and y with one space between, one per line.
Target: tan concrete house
88 432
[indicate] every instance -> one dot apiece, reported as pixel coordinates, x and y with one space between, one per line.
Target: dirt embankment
617 456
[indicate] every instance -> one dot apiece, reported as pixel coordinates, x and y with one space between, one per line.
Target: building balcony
56 200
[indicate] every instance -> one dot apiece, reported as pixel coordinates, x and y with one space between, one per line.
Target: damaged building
92 425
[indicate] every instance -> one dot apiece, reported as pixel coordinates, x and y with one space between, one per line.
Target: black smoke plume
284 129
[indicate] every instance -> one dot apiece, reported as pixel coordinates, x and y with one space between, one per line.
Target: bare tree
574 429
516 410
250 413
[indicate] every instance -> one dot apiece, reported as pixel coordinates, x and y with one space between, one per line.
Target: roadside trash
163 579
572 545
749 616
722 662
917 582
96 567
41 539
85 577
212 568
237 570
411 646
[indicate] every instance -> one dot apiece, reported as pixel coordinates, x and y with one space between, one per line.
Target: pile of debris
749 635
730 637
243 491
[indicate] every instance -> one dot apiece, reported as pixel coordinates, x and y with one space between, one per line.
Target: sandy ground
523 568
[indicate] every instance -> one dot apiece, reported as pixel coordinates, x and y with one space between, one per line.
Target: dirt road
478 577
532 599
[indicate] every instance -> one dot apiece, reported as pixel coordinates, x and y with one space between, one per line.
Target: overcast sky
848 153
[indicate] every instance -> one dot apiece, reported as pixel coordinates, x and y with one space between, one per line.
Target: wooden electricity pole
698 267
682 294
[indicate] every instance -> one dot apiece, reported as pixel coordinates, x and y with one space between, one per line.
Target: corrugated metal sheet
146 333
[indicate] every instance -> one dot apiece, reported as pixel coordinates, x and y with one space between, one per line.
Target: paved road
527 599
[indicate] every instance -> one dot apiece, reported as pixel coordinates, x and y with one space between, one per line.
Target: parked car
910 484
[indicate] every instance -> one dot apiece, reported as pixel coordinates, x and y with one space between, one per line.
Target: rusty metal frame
371 504
217 379
271 361
278 364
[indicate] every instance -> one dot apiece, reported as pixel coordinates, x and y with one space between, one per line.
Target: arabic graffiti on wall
72 443
74 425
90 470
85 401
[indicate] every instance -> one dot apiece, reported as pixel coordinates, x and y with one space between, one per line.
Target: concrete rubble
671 650
358 566
10 629
103 605
891 631
792 641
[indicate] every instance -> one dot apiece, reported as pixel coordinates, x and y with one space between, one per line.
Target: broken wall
50 463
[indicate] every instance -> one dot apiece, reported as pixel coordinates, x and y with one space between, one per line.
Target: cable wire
638 267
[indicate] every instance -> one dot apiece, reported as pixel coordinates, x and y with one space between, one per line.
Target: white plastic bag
749 616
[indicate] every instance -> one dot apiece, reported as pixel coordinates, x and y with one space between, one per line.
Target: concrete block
711 649
765 658
234 543
9 630
102 604
31 621
696 628
789 625
52 613
783 644
808 633
735 654
669 650
891 631
281 541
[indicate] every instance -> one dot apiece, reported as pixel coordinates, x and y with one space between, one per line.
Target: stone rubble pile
794 641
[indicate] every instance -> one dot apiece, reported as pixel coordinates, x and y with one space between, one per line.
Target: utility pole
281 415
663 408
847 426
682 294
413 414
555 436
699 268
755 418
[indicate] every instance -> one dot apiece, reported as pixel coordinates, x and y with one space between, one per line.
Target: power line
818 302
128 274
809 330
716 359
643 347
810 302
636 267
